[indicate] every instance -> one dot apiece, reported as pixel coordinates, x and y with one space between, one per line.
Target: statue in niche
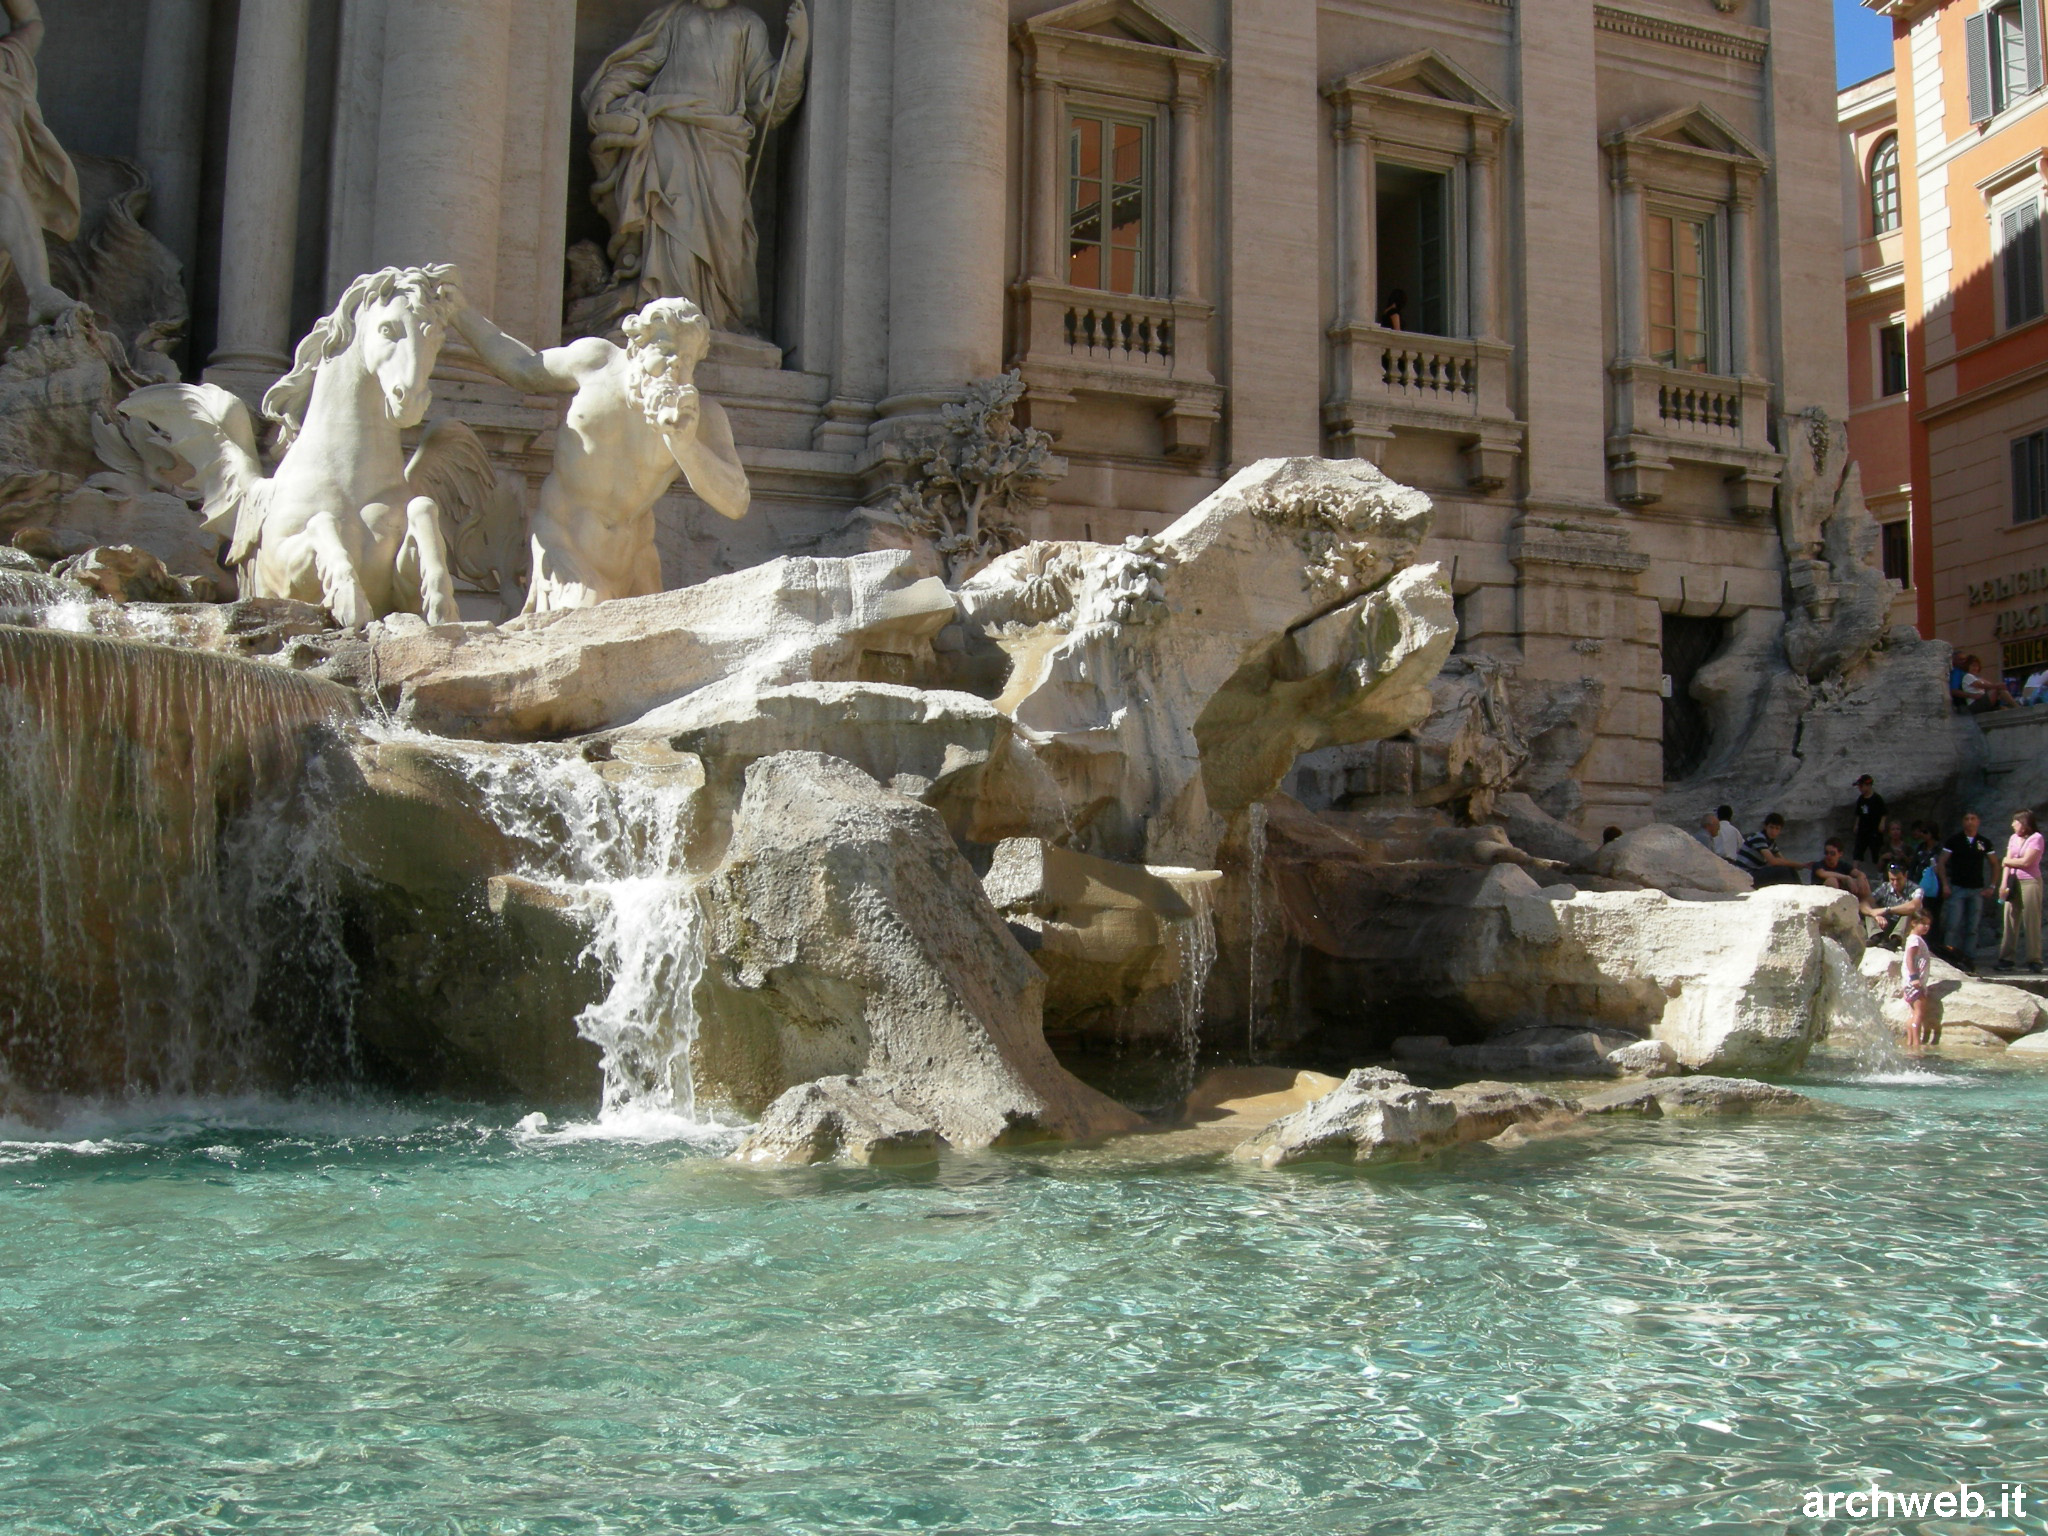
635 419
679 119
38 185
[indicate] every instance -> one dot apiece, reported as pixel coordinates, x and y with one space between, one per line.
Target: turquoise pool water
370 1319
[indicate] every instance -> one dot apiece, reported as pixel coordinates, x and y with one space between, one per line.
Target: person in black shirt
1966 885
1870 809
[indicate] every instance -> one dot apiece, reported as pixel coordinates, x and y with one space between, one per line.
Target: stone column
441 139
259 224
1189 205
170 126
1048 202
948 199
1357 195
1739 304
1629 273
1479 198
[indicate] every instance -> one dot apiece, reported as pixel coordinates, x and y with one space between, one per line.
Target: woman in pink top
2019 887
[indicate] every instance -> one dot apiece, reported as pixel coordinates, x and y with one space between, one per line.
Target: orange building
1873 261
1973 158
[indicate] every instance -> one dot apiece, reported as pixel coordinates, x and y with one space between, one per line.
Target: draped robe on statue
673 116
29 153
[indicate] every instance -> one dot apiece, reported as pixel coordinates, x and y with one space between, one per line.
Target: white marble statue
38 185
634 420
345 520
678 117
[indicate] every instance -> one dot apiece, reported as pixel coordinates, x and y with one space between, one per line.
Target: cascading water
1255 904
1196 937
1856 1031
611 838
164 924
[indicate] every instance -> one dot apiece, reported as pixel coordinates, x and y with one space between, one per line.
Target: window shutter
1977 46
2030 36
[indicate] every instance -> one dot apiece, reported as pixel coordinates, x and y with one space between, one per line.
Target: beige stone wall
909 238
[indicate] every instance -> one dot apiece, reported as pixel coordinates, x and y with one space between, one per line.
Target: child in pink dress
1914 968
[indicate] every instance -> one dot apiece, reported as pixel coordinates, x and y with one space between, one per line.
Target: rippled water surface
381 1320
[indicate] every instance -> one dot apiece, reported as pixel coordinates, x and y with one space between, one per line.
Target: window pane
1897 551
1130 153
1891 347
1884 187
2030 478
1109 242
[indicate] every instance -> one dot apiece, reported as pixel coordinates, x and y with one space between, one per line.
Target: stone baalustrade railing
1073 342
1395 382
1663 417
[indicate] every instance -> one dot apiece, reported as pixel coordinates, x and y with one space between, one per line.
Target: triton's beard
659 391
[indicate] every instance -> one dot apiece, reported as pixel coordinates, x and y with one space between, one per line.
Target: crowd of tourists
1910 879
1972 688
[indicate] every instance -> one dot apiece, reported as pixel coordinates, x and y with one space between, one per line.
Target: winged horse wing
209 429
483 515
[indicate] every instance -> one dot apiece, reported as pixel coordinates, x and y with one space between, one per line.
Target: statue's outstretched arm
710 461
538 373
28 23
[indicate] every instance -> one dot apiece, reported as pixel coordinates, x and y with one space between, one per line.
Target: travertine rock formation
847 935
1666 858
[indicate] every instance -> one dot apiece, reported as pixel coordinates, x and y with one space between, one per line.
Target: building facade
1874 270
1973 155
1556 261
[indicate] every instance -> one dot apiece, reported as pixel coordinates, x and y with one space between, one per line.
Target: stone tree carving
345 520
678 119
973 479
38 185
635 419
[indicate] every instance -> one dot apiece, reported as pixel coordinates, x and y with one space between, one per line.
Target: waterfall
165 922
1255 876
1852 1018
1196 936
613 839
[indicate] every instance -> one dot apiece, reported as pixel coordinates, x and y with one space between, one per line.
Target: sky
1863 43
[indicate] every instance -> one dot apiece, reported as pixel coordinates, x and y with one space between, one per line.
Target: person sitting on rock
1915 973
1980 692
1719 834
1833 869
1895 905
1760 858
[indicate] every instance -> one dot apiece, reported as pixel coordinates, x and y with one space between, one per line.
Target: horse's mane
429 288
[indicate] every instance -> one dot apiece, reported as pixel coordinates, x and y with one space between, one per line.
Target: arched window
1884 186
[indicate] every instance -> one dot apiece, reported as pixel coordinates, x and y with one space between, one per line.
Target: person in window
1868 842
1965 866
1835 870
1896 903
2019 887
1392 311
1761 860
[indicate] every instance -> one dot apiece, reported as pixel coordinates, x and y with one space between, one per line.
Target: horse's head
393 323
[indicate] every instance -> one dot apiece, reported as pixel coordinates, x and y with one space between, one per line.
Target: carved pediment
1427 75
1122 21
1695 129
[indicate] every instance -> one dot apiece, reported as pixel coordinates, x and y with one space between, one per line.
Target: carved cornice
1750 45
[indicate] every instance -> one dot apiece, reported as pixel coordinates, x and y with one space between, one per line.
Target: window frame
1155 237
2010 268
1457 230
2028 456
1988 56
1904 538
1885 186
1713 279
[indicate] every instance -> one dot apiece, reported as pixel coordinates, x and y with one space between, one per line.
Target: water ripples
426 1319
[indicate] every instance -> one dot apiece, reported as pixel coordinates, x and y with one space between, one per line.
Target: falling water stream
1196 936
1255 908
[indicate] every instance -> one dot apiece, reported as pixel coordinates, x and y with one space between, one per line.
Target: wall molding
1750 45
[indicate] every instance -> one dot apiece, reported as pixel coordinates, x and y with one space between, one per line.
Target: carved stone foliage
973 479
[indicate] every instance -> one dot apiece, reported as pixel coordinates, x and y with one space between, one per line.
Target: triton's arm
711 463
28 23
553 372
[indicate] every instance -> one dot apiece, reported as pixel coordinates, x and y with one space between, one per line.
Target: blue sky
1863 43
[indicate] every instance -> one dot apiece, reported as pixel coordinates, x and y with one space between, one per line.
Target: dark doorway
1415 246
1689 644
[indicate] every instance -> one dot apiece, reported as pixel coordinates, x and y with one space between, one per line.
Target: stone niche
603 25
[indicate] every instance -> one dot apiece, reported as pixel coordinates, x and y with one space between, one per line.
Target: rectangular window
1414 231
1684 294
1896 546
1109 205
1891 360
2030 478
2019 261
2003 55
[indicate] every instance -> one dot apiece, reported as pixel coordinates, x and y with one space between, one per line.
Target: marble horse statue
345 520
